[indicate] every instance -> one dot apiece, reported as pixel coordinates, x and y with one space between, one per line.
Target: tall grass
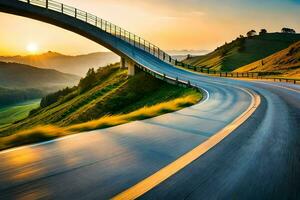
36 134
48 132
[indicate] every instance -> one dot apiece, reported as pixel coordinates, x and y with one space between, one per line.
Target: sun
32 47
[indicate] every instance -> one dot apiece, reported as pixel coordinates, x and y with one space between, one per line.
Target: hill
78 65
14 75
244 50
283 63
15 112
108 91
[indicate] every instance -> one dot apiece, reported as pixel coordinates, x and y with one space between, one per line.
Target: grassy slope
114 93
254 48
10 114
284 63
47 132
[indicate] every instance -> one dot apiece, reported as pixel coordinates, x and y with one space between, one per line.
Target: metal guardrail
253 75
106 26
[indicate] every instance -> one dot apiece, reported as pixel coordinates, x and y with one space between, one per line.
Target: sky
169 24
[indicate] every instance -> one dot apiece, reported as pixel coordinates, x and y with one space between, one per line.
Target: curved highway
103 163
258 160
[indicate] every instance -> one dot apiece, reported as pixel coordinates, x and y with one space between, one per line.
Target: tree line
264 31
12 96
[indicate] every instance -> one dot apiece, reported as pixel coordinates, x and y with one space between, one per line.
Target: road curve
260 160
101 164
257 159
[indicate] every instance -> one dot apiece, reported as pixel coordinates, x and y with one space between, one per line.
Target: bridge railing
106 26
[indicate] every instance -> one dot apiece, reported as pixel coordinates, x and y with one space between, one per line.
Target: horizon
203 20
189 51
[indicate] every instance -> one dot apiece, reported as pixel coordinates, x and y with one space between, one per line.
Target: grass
115 93
48 132
112 99
285 63
10 114
244 51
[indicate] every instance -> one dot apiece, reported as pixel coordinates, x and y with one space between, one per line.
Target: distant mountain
78 65
244 50
186 52
14 75
282 63
183 54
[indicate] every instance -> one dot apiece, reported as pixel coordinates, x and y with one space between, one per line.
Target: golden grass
282 61
48 132
36 134
142 113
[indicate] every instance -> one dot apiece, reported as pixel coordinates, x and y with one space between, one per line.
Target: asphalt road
260 160
103 163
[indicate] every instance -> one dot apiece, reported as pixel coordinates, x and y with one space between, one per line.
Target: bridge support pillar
126 63
123 63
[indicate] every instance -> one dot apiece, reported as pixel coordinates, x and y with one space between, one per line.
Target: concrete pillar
131 67
126 63
123 63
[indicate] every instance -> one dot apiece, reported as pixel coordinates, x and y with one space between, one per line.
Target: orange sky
170 24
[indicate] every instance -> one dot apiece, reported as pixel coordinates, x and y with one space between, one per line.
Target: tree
251 33
262 31
54 97
288 30
88 81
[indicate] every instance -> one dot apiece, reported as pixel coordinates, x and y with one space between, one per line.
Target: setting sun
32 48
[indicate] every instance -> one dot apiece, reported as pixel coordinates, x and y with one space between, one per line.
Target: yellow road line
150 182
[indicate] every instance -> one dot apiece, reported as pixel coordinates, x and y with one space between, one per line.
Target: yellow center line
150 182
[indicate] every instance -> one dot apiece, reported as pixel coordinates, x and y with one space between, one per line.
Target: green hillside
285 63
12 113
108 91
244 50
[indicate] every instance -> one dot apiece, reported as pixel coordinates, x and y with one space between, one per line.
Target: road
260 158
103 163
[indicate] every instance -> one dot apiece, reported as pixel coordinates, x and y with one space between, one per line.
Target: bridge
133 50
241 140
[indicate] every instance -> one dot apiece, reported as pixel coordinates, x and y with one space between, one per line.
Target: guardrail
106 26
168 79
254 75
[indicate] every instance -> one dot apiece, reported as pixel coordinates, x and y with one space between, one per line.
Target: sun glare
32 48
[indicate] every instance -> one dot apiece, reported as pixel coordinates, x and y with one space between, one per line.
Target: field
12 113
